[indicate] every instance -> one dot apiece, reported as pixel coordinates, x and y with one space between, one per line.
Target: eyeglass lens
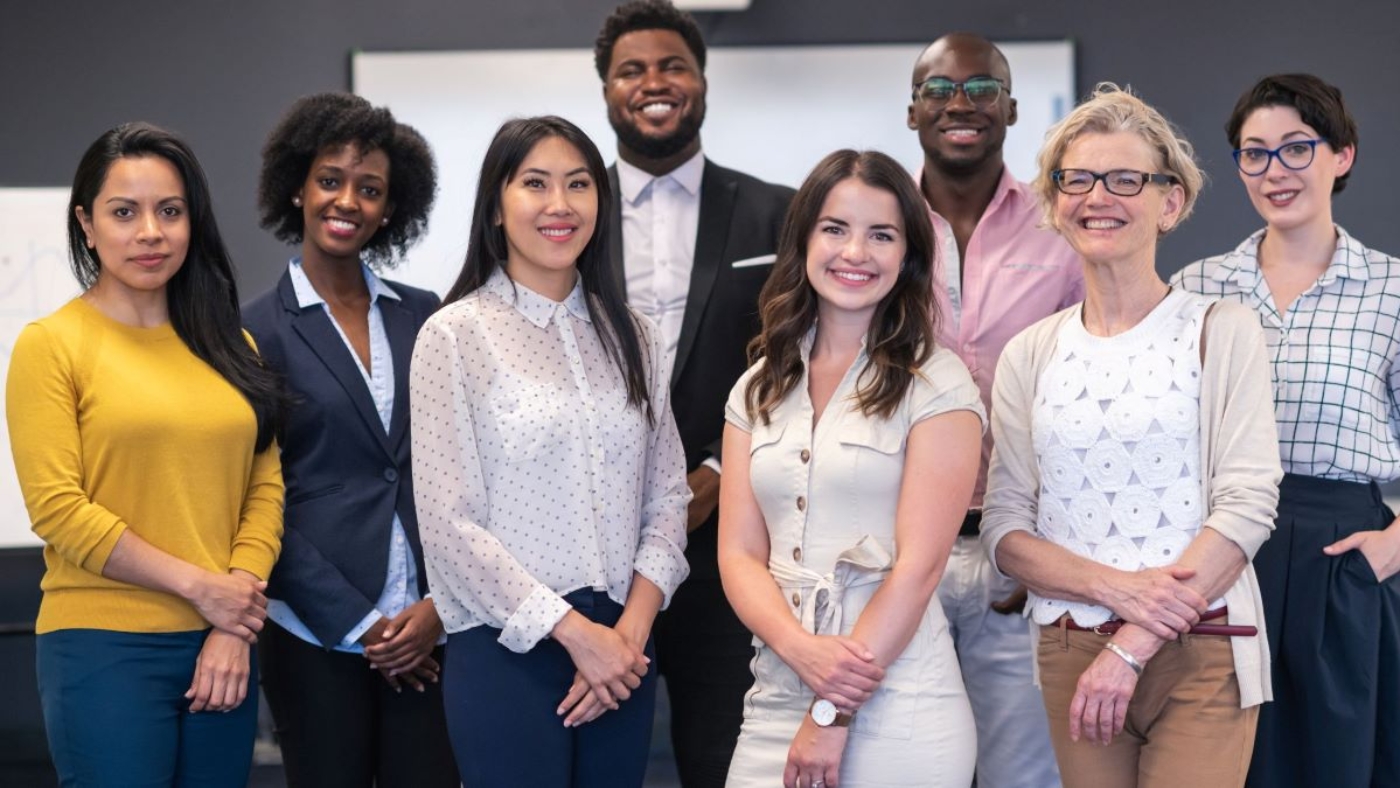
981 91
1293 155
1124 183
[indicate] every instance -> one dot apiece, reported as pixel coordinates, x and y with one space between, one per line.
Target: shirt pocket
531 420
870 464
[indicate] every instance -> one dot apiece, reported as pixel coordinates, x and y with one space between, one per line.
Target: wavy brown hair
902 330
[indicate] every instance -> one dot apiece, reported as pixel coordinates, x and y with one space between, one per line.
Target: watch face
823 712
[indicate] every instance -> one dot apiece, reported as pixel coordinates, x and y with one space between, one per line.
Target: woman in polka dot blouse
549 478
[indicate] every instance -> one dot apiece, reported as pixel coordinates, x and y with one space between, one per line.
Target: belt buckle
1100 632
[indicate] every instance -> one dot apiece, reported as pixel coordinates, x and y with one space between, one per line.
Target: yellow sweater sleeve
259 537
41 411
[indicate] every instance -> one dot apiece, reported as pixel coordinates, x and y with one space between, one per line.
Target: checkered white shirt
1335 353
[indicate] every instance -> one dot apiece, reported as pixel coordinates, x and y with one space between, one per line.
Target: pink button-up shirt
1016 273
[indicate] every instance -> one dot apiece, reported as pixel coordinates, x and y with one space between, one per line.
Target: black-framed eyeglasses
1294 154
1124 183
981 91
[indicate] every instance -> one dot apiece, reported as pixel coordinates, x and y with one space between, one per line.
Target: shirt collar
1242 264
633 181
1008 190
307 296
534 307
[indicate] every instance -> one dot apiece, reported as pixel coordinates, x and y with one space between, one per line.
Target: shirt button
796 600
806 456
801 504
391 475
797 554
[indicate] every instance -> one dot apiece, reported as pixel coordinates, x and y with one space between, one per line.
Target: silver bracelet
1125 656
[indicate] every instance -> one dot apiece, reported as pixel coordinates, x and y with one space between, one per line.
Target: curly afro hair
646 15
330 120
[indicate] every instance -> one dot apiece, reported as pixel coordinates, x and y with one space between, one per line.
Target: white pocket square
763 259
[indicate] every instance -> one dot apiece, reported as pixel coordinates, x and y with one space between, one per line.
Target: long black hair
202 296
487 248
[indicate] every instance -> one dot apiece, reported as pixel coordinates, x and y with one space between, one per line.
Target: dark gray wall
222 72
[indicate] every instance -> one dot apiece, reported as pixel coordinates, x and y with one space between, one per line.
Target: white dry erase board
35 279
773 112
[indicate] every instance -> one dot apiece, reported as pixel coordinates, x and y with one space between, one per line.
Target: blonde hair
1110 109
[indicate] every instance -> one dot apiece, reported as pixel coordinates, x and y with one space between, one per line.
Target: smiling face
549 208
344 202
656 97
1107 229
139 228
1286 198
960 137
855 250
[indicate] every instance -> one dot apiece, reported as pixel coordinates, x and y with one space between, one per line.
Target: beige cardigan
1239 458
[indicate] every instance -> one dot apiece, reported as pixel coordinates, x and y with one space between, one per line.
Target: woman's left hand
409 638
1381 549
1100 704
814 759
220 673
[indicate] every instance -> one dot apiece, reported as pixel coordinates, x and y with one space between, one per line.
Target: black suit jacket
740 219
346 477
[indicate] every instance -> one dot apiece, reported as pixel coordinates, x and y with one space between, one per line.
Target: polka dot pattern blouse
533 476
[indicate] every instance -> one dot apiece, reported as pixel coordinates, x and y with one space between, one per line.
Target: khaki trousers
1185 726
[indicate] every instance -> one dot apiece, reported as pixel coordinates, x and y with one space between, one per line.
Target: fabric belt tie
866 563
1112 626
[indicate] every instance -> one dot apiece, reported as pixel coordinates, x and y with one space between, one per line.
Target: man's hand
704 486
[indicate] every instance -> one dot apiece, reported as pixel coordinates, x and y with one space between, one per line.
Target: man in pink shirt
998 272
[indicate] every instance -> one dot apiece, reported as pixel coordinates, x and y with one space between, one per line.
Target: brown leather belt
1224 630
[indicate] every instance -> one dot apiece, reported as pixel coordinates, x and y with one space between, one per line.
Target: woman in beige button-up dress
849 460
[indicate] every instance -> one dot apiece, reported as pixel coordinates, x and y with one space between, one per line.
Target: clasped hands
839 669
609 663
236 606
401 648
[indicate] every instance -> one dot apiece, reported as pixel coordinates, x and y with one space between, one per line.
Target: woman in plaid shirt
1330 308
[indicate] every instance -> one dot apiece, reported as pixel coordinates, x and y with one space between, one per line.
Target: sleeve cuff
253 559
533 620
712 463
352 638
664 569
97 557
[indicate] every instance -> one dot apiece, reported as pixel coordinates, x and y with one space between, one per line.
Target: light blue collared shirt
401 578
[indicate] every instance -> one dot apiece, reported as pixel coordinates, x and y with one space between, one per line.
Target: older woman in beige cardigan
1135 475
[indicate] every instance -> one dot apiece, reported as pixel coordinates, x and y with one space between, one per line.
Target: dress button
796 600
801 504
797 554
391 475
806 456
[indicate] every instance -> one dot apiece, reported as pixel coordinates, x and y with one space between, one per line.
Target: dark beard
658 147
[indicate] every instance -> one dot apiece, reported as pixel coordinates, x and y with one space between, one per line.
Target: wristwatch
825 715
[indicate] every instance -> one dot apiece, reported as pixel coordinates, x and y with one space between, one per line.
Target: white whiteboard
35 279
773 112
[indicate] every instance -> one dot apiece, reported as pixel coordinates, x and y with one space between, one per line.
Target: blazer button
391 475
806 456
801 504
797 554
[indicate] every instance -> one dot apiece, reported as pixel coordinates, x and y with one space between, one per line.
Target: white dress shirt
533 476
401 576
660 221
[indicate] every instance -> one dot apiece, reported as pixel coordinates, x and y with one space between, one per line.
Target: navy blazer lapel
314 326
398 324
615 260
717 195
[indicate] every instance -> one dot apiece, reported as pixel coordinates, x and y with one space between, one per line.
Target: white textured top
533 476
1116 430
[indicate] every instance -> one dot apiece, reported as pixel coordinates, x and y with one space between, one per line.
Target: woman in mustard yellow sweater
142 425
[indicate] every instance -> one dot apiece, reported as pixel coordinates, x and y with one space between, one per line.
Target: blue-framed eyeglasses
1124 183
1294 154
980 91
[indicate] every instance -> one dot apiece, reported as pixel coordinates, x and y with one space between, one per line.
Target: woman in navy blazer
350 627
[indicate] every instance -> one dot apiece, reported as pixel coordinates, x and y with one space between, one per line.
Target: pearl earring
296 201
384 222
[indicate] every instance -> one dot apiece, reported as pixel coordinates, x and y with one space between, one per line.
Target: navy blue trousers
500 713
116 714
1334 632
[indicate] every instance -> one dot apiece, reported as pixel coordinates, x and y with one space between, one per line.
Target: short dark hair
903 328
646 15
202 297
488 247
326 120
1318 103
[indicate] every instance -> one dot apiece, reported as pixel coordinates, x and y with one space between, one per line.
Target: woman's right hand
837 668
234 603
611 665
1157 600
